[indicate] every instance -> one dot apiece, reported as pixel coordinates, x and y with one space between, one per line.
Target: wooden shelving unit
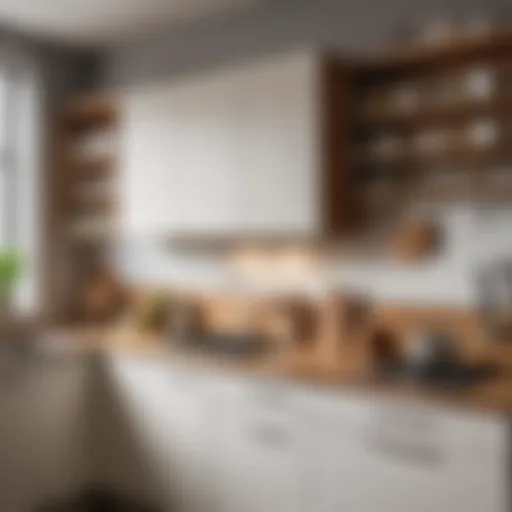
491 45
89 122
89 113
87 206
458 94
439 115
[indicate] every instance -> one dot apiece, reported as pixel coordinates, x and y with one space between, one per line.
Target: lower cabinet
424 459
365 456
258 451
193 442
164 436
240 445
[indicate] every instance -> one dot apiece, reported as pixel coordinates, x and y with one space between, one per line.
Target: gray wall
64 71
350 25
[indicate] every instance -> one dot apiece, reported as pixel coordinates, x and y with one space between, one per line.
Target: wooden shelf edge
499 38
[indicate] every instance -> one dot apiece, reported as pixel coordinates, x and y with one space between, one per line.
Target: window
8 205
19 172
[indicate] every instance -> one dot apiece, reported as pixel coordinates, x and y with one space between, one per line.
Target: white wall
347 27
472 236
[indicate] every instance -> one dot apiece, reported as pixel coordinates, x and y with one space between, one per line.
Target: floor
96 501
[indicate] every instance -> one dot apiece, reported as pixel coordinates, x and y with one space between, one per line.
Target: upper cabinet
253 150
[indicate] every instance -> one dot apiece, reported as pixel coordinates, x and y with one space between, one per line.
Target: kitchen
265 264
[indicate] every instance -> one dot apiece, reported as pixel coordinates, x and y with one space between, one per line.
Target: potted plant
10 270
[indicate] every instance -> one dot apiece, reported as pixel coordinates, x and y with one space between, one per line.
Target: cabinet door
192 423
365 456
169 425
334 461
229 152
43 432
425 459
212 156
279 130
180 160
149 161
257 454
136 434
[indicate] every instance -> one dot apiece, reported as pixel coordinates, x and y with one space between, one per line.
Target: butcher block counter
301 366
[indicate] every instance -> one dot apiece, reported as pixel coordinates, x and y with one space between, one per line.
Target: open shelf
461 156
94 112
439 115
418 115
87 205
491 44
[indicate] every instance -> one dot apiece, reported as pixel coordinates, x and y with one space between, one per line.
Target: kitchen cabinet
255 149
258 452
279 175
169 421
424 459
43 432
178 159
135 435
206 443
368 456
335 463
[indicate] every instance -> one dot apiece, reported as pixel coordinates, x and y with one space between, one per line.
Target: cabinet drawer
334 411
266 398
453 435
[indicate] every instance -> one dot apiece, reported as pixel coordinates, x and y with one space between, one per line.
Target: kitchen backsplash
471 235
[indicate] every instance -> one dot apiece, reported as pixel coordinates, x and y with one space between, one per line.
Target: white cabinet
335 463
192 436
43 433
136 434
424 459
152 166
231 151
368 456
230 445
279 135
179 161
169 424
258 451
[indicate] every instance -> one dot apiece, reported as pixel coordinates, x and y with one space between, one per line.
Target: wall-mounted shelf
438 115
491 44
436 109
467 157
87 203
83 114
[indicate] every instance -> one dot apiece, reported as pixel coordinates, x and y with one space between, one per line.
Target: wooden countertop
493 395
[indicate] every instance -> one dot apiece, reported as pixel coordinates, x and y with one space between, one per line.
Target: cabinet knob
413 452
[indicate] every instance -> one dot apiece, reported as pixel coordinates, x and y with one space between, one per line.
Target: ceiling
98 22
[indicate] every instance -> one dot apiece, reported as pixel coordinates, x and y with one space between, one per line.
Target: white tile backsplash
472 236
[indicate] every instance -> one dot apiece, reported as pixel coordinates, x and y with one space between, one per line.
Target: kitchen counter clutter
301 366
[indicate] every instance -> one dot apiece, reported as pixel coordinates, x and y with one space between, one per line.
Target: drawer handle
425 455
